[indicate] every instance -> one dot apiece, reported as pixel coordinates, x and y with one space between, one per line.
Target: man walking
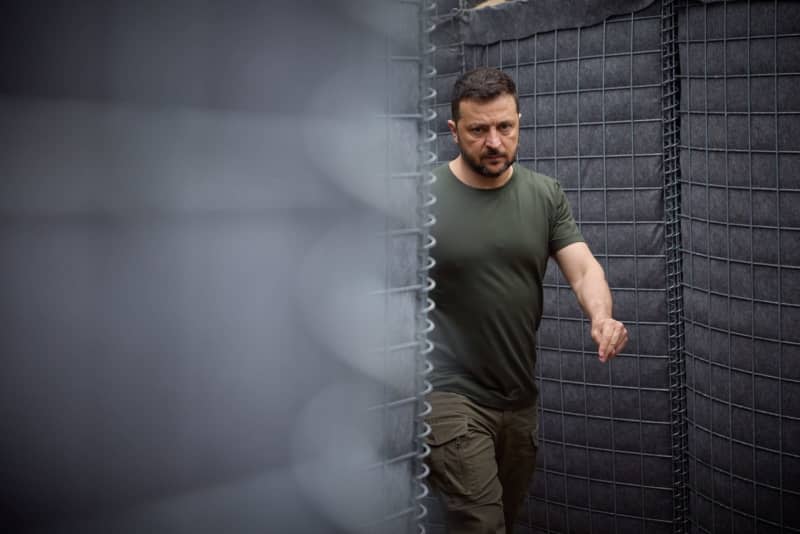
497 225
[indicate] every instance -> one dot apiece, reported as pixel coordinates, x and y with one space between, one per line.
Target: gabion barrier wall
740 153
596 115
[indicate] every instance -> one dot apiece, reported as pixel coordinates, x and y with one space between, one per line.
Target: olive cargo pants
482 461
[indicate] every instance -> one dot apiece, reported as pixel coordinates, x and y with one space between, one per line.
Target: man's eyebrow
475 124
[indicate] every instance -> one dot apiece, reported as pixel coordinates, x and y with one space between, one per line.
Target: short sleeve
563 228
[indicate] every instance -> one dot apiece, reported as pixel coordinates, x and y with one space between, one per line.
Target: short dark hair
481 84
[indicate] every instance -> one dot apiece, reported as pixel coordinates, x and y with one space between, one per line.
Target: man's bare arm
587 279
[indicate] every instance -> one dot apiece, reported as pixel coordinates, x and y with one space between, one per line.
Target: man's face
487 133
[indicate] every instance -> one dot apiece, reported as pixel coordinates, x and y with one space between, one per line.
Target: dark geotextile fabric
522 18
518 19
740 163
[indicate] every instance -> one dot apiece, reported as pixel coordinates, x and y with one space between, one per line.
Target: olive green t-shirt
492 247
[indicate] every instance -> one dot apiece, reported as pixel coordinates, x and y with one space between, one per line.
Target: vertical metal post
674 265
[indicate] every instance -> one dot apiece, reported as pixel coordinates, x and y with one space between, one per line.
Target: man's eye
505 127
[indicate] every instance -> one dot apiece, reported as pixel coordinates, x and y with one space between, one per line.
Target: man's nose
493 138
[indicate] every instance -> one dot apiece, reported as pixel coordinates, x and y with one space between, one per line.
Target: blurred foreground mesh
213 290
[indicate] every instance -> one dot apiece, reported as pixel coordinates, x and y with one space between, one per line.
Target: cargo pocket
447 440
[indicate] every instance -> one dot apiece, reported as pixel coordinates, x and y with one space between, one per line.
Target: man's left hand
610 336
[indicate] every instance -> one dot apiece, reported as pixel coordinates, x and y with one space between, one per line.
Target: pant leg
516 459
463 464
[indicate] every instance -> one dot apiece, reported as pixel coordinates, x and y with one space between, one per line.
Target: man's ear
453 130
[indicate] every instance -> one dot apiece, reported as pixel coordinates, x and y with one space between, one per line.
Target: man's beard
475 164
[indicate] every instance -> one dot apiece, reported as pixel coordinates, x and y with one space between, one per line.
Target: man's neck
468 176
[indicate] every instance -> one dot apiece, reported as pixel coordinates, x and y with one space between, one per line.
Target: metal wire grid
450 62
449 55
426 242
674 264
741 229
401 472
628 488
442 52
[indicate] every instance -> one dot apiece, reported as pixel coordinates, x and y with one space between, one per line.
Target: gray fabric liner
518 19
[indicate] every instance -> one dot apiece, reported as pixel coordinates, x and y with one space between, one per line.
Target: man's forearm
593 293
588 281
